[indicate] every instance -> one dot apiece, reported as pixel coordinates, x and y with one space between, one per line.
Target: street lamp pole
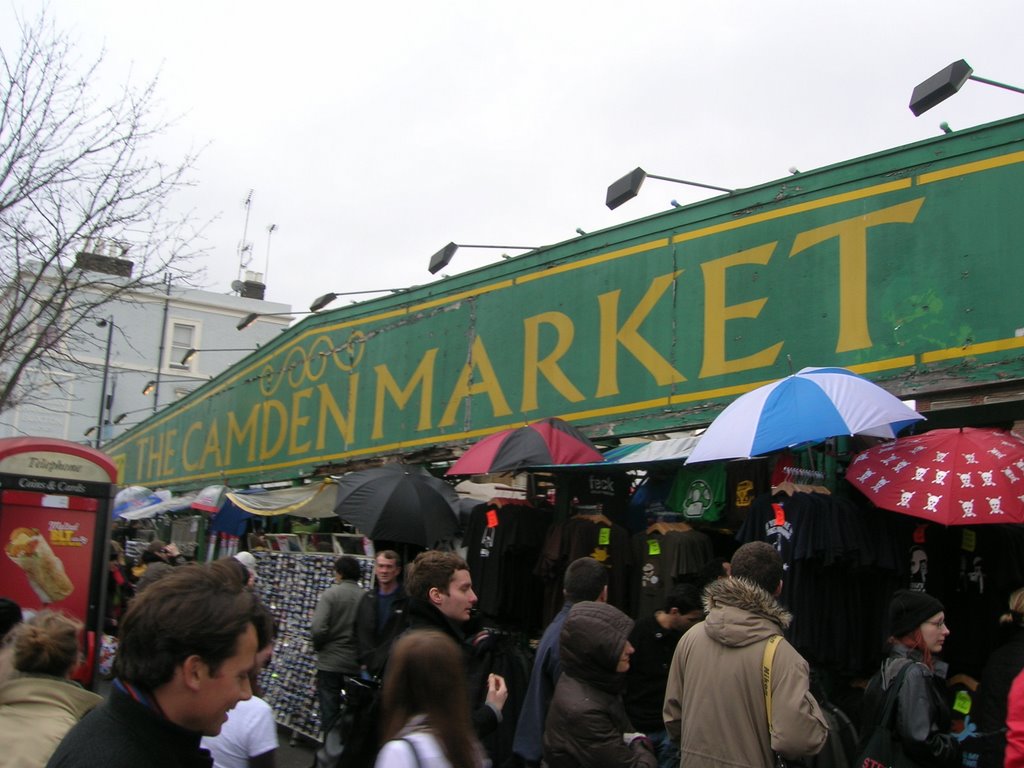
109 323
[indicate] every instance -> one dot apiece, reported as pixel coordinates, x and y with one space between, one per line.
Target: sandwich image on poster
44 570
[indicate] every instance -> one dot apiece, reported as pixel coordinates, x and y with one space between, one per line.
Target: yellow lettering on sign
212 446
487 385
345 423
853 266
188 464
154 455
61 538
629 337
422 377
167 469
242 434
270 447
298 421
548 365
141 448
717 313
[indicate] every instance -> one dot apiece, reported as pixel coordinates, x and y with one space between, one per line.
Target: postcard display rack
290 583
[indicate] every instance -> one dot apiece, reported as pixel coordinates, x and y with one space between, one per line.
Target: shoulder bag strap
415 752
892 695
766 674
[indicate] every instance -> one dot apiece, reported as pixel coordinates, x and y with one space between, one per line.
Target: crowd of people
707 680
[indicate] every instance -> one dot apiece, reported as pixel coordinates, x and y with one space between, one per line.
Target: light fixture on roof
945 83
441 259
150 386
628 186
322 301
252 317
192 352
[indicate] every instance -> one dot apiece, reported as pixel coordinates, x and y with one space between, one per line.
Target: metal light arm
690 183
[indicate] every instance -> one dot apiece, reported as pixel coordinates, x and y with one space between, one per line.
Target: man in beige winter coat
714 702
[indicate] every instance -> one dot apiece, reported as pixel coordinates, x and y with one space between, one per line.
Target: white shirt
249 731
398 754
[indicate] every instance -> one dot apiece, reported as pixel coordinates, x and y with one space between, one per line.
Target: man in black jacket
187 646
441 597
654 639
381 613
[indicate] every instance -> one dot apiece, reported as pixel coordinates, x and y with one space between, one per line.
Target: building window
183 337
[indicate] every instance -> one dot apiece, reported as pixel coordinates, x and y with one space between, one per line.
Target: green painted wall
905 266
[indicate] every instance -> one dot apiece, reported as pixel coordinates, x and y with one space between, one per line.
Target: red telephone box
55 506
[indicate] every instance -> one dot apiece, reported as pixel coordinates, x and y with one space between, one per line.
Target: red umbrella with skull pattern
963 476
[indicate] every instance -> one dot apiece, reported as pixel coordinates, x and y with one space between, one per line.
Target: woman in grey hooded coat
587 725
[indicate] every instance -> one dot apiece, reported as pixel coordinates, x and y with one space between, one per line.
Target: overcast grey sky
374 133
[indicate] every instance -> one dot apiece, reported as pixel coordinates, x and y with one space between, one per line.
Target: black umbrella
396 502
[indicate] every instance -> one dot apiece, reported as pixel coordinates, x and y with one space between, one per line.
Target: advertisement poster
48 548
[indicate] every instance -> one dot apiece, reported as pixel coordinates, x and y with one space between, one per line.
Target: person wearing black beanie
908 610
911 674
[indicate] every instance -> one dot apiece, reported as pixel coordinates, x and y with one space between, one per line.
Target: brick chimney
104 256
253 286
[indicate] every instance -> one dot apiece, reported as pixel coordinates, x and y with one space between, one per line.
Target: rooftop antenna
266 269
245 247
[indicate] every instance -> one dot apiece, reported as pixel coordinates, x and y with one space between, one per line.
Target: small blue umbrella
673 449
807 407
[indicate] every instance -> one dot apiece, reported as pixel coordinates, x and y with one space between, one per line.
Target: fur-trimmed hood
741 613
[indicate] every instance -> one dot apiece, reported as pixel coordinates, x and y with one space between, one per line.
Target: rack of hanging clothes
587 533
503 540
663 555
841 563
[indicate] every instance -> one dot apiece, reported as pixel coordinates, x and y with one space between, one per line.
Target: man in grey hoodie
334 638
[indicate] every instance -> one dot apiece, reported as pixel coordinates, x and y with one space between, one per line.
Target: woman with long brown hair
913 674
425 707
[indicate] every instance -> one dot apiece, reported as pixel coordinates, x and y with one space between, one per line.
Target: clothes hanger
680 526
597 518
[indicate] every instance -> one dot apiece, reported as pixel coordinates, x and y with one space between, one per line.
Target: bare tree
78 174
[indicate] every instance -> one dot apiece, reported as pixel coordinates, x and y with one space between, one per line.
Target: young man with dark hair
441 597
382 613
187 646
585 579
333 633
655 637
714 703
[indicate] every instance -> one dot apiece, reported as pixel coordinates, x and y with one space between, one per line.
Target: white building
150 335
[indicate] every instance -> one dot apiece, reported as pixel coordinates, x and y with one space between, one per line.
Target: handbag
766 685
883 749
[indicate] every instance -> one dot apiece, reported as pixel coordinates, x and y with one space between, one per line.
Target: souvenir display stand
290 582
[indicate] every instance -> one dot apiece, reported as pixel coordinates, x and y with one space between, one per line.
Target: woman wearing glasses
913 674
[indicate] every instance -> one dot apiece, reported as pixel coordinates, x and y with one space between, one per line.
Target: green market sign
904 266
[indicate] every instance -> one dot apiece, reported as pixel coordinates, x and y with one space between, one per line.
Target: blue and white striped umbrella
807 407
